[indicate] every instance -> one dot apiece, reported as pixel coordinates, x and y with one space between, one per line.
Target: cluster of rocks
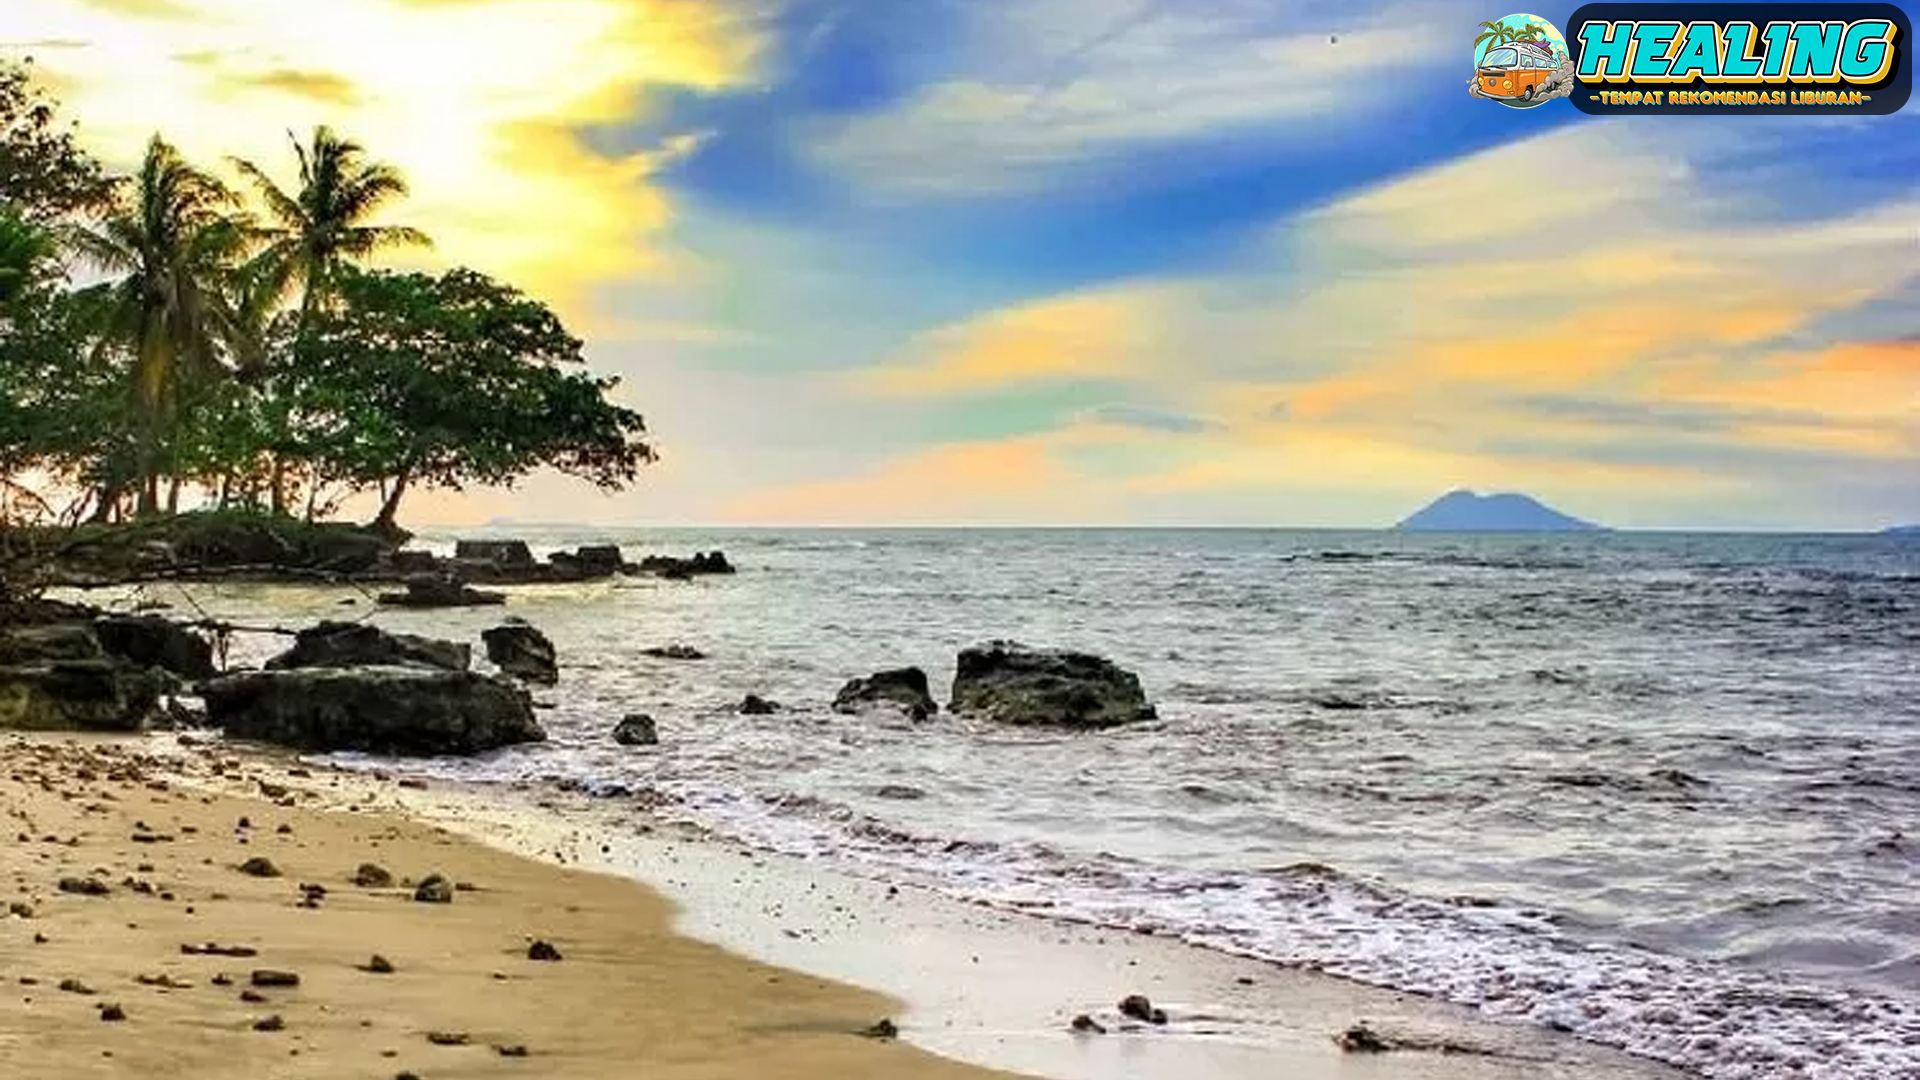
1009 683
64 670
435 582
350 686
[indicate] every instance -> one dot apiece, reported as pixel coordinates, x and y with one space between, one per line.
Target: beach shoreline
967 984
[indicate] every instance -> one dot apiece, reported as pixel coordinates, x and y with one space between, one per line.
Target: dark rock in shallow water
433 889
498 552
903 687
150 641
1013 684
755 705
637 730
78 695
519 649
590 561
706 562
414 562
439 591
348 645
381 710
674 652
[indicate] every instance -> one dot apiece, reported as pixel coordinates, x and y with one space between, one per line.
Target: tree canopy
233 347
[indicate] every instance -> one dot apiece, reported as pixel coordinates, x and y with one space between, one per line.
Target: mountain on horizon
1901 530
1467 511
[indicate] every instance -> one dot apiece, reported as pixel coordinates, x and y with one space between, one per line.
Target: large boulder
49 643
637 729
78 695
504 553
381 710
346 645
904 688
519 649
150 641
1013 684
439 591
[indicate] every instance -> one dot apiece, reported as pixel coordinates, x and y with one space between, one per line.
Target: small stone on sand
434 890
259 867
541 950
372 876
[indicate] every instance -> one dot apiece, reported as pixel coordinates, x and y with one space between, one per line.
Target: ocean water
1659 791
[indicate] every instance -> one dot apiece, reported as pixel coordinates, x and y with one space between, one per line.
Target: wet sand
627 997
631 995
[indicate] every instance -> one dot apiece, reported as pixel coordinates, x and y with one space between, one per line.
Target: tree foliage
421 381
242 352
44 174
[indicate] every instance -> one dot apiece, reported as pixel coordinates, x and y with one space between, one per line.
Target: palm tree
174 239
322 227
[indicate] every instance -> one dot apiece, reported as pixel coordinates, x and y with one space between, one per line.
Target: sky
1000 262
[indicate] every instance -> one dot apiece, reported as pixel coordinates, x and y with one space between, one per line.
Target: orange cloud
1089 335
1014 479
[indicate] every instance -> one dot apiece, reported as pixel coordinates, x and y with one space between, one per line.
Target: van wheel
1527 94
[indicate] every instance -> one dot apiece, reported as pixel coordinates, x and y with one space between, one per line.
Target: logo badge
1810 59
1521 61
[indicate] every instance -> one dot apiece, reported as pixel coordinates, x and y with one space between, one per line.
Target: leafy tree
441 382
174 240
43 172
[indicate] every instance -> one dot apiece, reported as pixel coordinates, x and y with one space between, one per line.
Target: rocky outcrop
706 562
49 643
637 729
219 545
346 645
61 676
902 688
1012 684
78 695
382 710
590 561
755 705
504 553
522 651
440 591
149 641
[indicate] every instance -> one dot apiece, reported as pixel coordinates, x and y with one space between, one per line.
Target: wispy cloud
1061 85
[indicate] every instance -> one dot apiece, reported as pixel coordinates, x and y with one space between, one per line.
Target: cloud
482 105
1058 85
318 85
1091 335
1010 480
1597 314
1149 419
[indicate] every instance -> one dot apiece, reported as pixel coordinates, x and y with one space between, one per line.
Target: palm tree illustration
1499 33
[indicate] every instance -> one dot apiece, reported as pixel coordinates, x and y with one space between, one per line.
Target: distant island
1901 530
1466 511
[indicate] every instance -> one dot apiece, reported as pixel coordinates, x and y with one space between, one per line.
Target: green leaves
453 380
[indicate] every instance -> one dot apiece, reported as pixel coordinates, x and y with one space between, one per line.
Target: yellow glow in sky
479 102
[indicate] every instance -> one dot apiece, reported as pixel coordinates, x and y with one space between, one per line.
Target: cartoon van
1518 69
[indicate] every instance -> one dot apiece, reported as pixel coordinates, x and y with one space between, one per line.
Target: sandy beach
167 825
463 998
